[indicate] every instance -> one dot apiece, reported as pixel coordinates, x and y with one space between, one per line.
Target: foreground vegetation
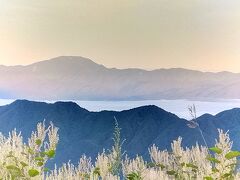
28 161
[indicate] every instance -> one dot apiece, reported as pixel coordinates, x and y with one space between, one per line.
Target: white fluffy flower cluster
19 160
197 162
27 161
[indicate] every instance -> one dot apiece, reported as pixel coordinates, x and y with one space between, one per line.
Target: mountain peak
232 112
150 109
69 105
68 60
65 65
26 104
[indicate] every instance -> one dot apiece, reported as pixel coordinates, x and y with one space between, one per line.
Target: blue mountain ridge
84 132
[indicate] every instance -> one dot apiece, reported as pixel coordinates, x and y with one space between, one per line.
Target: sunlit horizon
127 67
148 34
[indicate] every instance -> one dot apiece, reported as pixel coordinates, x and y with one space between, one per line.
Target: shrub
28 161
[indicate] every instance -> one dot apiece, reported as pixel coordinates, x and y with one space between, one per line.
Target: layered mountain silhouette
84 132
78 78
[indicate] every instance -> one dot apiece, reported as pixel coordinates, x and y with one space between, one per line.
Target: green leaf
50 153
226 175
30 151
23 164
33 172
38 142
40 163
12 167
161 166
97 171
208 178
191 166
194 170
39 159
134 176
10 156
171 172
232 154
232 165
14 170
183 164
216 150
151 165
212 159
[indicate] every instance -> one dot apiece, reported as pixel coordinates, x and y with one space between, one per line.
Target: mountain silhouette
78 78
84 132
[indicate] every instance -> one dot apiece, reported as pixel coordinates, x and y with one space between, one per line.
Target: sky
149 34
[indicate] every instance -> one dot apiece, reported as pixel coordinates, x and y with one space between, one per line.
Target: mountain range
84 132
78 78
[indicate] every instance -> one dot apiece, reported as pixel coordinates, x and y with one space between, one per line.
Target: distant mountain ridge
85 132
78 78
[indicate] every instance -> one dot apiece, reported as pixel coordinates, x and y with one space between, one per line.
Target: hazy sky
195 34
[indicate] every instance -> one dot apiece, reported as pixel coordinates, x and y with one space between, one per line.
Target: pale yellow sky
149 34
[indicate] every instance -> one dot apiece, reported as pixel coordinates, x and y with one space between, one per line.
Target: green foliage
14 171
171 173
190 165
212 159
33 172
116 150
24 162
134 176
216 150
232 154
225 157
38 142
208 178
97 172
50 153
